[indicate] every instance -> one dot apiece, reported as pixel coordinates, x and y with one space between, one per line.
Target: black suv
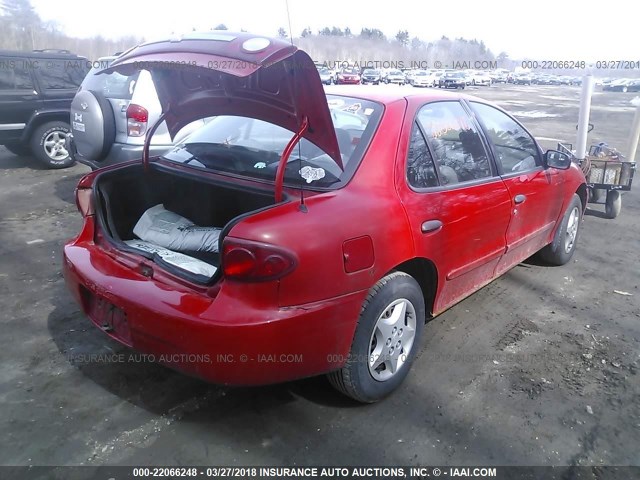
36 89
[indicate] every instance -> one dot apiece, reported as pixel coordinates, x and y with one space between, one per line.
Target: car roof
55 54
387 96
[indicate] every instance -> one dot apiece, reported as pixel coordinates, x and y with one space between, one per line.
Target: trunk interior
123 196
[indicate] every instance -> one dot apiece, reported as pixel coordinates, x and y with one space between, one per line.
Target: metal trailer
606 170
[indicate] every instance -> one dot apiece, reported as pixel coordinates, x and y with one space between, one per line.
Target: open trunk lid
223 73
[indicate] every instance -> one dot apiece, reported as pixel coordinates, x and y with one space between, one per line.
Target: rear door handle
431 226
519 198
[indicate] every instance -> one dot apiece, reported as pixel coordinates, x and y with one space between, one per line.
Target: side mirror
556 159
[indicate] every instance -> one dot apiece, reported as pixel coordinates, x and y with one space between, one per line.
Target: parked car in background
348 76
409 75
448 214
111 114
36 89
437 75
326 76
624 85
499 75
424 78
395 76
453 80
371 75
480 78
522 79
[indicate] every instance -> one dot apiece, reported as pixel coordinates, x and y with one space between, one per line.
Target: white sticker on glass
310 174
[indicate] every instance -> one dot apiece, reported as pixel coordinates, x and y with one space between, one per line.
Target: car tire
48 144
364 377
613 204
19 149
561 249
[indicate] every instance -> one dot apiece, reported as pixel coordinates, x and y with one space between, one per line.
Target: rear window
247 147
111 85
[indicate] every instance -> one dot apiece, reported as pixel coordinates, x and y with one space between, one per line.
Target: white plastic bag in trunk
170 230
176 259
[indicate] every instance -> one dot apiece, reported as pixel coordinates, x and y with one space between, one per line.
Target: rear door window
60 74
14 75
458 150
421 172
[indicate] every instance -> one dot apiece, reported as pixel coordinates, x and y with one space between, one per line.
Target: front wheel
48 144
386 340
564 242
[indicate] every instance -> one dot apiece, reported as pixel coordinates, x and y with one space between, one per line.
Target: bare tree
403 37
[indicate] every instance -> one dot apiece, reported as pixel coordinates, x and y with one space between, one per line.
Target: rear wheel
386 340
48 144
19 149
564 242
613 204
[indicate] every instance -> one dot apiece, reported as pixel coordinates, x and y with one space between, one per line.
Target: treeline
23 29
330 44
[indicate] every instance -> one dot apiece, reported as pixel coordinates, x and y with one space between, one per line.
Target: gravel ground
538 368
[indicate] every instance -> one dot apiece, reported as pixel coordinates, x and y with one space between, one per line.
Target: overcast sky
540 29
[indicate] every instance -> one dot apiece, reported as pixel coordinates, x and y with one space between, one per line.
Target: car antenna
302 207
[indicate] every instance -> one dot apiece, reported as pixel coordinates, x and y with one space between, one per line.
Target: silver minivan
110 116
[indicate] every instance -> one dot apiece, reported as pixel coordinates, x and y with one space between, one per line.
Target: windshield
350 71
252 148
371 72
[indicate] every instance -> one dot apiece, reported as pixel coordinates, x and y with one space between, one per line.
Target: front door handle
519 198
431 226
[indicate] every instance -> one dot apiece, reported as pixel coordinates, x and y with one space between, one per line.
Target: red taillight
250 261
137 118
84 201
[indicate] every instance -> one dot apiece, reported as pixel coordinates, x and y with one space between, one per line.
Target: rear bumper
219 338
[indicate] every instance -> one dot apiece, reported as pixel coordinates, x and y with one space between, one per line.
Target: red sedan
342 221
348 76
